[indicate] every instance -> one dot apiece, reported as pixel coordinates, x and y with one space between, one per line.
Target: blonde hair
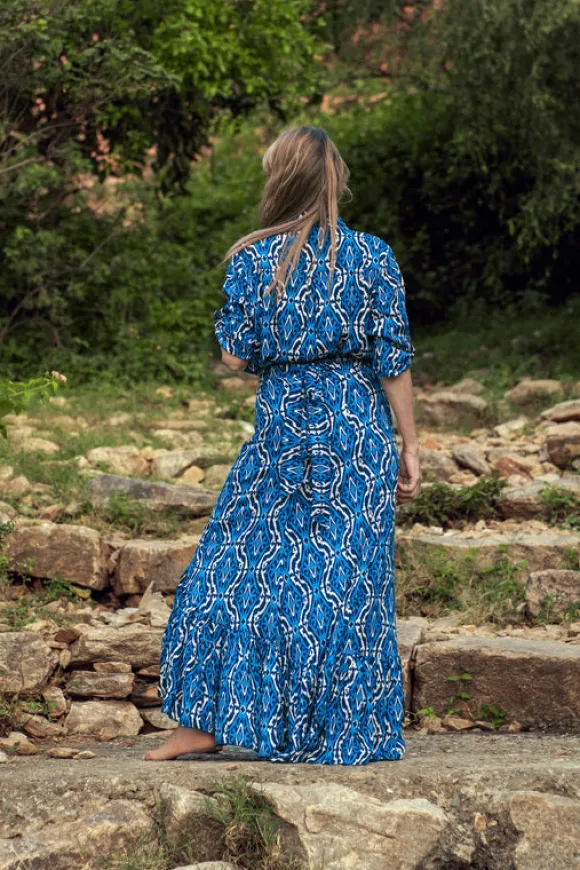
306 180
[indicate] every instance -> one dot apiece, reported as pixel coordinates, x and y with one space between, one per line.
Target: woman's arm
233 362
399 391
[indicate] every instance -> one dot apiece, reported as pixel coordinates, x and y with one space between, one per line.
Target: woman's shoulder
368 241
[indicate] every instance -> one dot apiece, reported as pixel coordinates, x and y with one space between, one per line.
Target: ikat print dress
282 633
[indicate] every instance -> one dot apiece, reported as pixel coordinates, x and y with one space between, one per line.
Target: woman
282 634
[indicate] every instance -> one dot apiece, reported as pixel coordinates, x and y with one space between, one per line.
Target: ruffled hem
264 695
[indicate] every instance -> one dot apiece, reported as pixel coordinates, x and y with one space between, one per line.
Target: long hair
306 178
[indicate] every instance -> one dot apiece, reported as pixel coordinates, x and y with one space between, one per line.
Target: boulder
512 428
99 685
7 513
216 475
409 633
172 463
138 645
468 457
178 805
562 586
112 667
158 719
528 391
538 551
18 743
340 828
145 694
527 502
196 502
103 719
436 465
55 701
468 385
38 726
449 408
192 476
58 551
141 562
26 662
35 445
563 443
537 682
127 461
549 828
563 412
86 842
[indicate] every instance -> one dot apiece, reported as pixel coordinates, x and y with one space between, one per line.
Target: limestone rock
550 828
19 743
156 717
196 502
539 550
562 586
172 463
108 833
239 384
3 757
7 512
112 667
36 445
216 475
447 407
512 428
563 443
91 684
467 457
436 465
467 385
529 390
15 487
103 719
139 645
192 476
178 806
58 551
61 752
38 726
127 461
340 829
536 682
145 694
55 700
563 412
409 633
140 562
208 865
26 662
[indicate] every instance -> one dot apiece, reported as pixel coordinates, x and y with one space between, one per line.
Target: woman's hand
409 482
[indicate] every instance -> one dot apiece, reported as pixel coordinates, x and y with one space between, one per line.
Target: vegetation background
131 137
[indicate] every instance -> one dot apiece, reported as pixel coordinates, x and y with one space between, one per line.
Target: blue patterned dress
282 633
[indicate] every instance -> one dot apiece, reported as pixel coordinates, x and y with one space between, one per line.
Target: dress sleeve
393 350
234 322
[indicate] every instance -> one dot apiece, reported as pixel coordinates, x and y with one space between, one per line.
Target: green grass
442 505
562 507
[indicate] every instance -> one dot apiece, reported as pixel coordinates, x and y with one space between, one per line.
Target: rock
178 805
448 408
239 384
179 438
153 607
60 552
538 550
159 496
15 487
536 681
409 633
563 443
138 645
339 828
457 723
562 586
26 662
512 429
216 475
549 825
127 461
84 755
209 865
155 716
467 385
3 757
103 719
38 726
106 834
145 694
142 562
563 412
528 391
7 513
61 752
172 463
67 633
36 445
467 457
19 743
112 667
6 472
99 685
435 465
526 502
55 700
192 476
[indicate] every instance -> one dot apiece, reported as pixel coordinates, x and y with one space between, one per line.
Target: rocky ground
103 503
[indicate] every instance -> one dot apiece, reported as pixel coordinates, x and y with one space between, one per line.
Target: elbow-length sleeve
392 347
234 323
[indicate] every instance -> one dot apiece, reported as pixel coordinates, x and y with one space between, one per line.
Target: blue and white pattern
282 633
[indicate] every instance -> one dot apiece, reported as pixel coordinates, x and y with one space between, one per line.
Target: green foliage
562 507
440 504
15 397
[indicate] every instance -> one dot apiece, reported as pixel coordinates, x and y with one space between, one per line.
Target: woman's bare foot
181 741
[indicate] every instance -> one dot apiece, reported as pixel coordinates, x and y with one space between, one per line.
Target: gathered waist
322 362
